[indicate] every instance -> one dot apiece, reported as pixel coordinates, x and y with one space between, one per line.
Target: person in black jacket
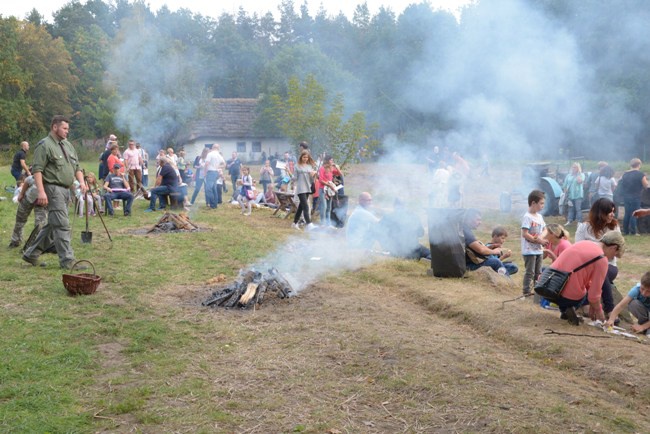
631 186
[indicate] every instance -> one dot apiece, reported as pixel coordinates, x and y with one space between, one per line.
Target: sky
213 9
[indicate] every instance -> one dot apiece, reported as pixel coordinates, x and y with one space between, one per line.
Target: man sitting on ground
477 254
400 233
117 188
363 226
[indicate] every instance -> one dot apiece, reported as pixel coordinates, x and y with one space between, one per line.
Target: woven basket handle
83 260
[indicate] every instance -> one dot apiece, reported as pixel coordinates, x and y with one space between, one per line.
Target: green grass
50 361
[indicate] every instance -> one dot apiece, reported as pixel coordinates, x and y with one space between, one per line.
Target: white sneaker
295 226
310 227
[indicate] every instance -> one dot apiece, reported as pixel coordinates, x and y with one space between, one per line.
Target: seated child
638 303
499 235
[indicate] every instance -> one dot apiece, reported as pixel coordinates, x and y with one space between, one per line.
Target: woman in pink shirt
587 282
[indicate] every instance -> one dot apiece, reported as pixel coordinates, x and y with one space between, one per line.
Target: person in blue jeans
573 187
199 175
166 183
631 185
477 254
117 188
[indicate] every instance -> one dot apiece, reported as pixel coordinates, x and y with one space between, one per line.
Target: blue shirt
635 294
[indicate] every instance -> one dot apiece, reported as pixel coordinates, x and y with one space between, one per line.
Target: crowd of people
48 186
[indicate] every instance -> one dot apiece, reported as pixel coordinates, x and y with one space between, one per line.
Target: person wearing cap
587 283
55 168
117 188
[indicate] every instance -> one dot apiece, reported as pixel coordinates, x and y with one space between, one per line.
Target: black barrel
447 241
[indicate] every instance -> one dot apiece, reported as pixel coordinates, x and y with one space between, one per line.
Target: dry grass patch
389 349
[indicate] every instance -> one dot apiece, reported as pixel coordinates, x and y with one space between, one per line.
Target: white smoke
158 83
515 84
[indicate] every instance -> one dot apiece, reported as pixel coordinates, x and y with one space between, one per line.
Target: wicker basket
82 283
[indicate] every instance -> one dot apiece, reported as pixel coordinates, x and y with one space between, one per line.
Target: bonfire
249 290
171 222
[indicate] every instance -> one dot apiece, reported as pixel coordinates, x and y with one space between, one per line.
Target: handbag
552 281
312 188
250 194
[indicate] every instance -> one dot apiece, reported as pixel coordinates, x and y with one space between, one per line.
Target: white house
229 122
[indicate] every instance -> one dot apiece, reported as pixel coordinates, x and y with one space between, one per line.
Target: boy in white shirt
532 243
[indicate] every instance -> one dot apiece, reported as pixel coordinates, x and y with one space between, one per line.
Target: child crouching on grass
499 235
638 303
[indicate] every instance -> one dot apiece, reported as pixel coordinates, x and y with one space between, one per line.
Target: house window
241 146
257 146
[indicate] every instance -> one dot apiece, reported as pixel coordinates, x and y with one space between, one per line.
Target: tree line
105 62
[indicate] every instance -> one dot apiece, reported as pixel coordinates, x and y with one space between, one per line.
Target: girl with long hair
601 220
303 176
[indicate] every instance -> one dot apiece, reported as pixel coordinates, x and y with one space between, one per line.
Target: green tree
90 50
303 115
14 82
48 66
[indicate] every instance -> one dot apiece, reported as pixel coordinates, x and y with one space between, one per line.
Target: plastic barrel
447 242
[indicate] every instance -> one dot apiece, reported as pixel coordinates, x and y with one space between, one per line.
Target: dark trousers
234 179
303 207
158 191
607 294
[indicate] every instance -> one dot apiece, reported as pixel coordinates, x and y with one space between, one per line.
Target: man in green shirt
55 167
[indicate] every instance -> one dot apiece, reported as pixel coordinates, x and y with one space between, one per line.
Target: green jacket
56 166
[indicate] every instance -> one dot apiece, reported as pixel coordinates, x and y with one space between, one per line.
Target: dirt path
389 349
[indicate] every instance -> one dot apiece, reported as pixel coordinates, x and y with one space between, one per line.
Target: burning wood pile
171 222
250 289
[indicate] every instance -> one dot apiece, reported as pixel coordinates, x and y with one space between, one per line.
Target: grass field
384 348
